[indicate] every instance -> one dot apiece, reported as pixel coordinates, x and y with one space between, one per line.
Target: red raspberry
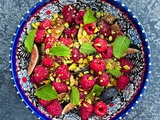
48 42
126 65
97 65
86 110
54 108
87 81
40 73
60 87
40 34
122 82
103 80
69 12
44 102
70 32
66 41
48 61
100 44
108 53
100 108
89 28
62 72
105 28
45 24
79 17
75 54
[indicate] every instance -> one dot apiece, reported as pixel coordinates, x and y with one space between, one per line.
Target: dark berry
54 108
70 32
108 53
62 72
105 28
100 44
45 24
86 110
89 28
40 34
60 87
79 17
97 65
122 82
103 79
100 108
108 94
44 102
87 81
126 65
40 73
75 54
114 36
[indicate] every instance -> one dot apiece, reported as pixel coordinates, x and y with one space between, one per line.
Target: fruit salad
78 61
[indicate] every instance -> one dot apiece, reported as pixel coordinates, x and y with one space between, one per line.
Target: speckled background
11 12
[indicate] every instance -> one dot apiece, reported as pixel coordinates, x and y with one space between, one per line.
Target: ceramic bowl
129 23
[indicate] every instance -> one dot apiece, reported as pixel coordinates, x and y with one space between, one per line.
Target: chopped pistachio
85 61
86 72
112 32
126 67
80 60
66 25
110 38
100 73
98 14
49 31
84 33
51 78
96 30
72 67
77 26
55 15
80 74
58 31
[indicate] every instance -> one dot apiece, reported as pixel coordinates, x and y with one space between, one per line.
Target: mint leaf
87 48
120 45
47 93
28 42
95 91
74 98
60 51
114 72
89 17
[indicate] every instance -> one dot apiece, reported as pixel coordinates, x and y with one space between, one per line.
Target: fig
33 59
68 107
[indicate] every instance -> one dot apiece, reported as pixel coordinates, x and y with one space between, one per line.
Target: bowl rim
140 31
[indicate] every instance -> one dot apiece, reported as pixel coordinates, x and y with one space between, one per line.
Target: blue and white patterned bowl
139 76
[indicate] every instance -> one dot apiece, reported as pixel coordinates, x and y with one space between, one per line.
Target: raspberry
100 44
54 108
89 28
86 110
45 24
108 94
48 42
70 32
114 36
40 34
122 82
75 54
97 65
62 72
44 102
66 41
100 108
69 12
32 79
79 17
108 53
87 81
40 73
60 87
103 80
105 28
48 61
126 65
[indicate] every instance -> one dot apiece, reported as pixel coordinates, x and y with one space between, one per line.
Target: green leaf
114 72
95 91
47 93
89 17
28 42
120 45
60 51
87 48
74 98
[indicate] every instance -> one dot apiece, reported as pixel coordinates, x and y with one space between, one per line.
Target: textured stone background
11 12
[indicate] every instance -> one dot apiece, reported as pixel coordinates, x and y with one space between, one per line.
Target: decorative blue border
137 25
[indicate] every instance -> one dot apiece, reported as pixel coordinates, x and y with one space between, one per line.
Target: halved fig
68 107
33 59
57 31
